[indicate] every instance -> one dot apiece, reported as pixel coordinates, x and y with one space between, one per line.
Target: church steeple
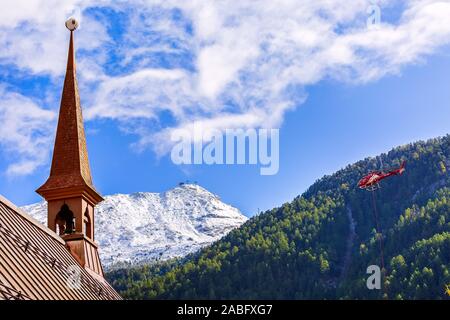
70 165
69 190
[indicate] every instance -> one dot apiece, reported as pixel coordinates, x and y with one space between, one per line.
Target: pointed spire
70 165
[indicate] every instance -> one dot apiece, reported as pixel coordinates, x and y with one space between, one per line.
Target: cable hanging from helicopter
371 182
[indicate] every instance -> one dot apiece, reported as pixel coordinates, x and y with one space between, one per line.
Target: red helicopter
372 180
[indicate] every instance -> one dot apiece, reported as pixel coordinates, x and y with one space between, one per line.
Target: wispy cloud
24 132
223 63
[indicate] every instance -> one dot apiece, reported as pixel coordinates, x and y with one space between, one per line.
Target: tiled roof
35 264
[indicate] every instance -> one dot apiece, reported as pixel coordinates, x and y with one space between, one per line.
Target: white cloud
223 63
24 132
140 95
250 54
33 38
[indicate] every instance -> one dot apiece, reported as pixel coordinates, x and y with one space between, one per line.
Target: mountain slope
320 244
144 226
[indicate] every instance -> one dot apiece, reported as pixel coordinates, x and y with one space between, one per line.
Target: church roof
35 264
70 164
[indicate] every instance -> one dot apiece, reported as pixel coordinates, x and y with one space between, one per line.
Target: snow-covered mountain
145 226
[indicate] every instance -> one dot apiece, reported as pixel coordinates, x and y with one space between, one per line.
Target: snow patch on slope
144 226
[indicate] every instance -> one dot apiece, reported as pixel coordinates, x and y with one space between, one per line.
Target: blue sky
338 90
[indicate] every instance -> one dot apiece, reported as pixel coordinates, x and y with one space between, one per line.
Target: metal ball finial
72 24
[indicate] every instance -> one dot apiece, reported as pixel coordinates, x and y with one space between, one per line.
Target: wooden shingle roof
35 264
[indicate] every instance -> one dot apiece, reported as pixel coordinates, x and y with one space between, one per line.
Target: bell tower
69 190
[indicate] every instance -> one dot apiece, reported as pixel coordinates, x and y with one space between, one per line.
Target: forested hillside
319 245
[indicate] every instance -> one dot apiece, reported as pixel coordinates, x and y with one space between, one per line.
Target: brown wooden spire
70 194
70 163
